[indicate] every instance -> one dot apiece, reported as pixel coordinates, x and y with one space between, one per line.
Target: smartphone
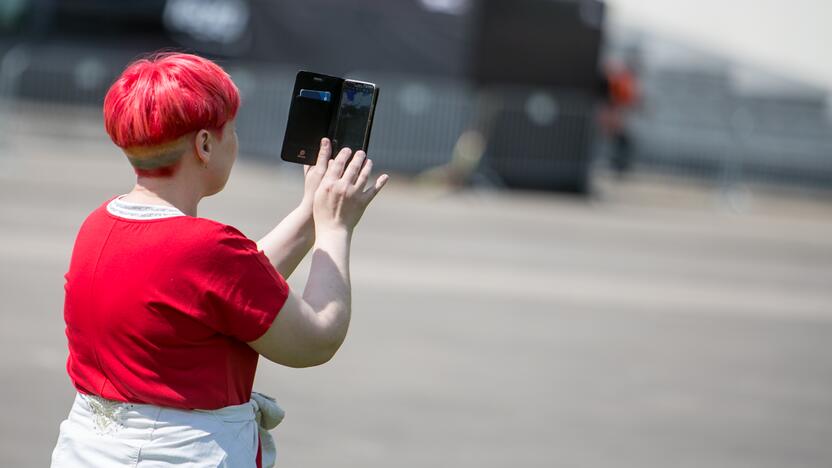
328 106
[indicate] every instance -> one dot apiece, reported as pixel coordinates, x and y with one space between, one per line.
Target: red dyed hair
166 96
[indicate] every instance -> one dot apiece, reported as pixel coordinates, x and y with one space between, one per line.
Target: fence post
733 192
12 65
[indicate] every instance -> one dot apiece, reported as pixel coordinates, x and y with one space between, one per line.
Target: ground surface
646 328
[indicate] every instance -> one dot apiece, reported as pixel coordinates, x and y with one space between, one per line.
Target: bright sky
790 37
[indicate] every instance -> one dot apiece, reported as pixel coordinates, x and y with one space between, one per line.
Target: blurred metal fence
540 137
698 123
690 123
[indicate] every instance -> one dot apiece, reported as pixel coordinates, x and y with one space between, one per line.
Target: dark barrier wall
550 43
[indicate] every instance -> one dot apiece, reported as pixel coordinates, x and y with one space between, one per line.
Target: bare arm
310 329
290 241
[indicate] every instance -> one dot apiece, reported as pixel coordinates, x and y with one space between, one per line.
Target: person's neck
153 191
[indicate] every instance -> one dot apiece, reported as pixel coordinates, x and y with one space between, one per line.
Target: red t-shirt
159 310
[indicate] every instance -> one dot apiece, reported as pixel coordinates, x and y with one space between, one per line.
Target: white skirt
105 433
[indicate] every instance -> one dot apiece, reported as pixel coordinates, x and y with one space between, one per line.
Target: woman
167 312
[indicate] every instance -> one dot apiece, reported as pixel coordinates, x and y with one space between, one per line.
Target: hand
314 174
341 197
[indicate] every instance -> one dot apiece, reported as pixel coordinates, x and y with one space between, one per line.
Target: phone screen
354 115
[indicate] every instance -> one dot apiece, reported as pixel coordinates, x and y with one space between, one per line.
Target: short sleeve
243 292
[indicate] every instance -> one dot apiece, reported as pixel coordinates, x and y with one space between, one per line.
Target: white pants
104 433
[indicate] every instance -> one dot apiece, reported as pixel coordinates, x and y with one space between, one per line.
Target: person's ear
203 145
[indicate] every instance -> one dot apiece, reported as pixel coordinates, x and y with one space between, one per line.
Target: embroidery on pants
108 415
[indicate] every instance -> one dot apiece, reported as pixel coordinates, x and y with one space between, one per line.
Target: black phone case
311 119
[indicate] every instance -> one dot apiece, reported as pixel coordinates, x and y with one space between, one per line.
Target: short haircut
161 98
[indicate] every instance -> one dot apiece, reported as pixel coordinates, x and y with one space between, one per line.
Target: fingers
371 192
336 166
324 153
354 167
364 175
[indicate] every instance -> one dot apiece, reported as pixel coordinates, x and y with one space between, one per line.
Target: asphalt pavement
650 326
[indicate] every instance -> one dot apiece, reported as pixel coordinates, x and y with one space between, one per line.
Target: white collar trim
130 210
